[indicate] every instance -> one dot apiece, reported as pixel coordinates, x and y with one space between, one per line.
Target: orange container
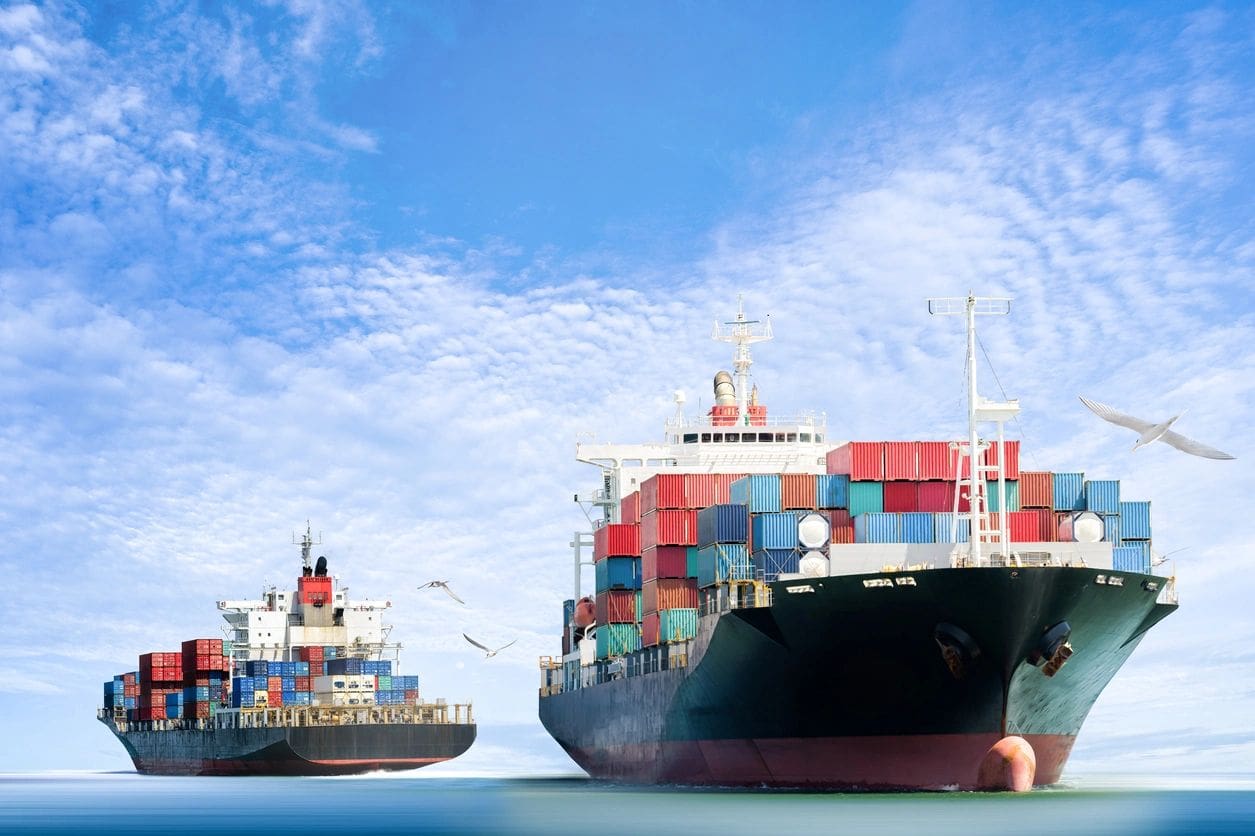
797 491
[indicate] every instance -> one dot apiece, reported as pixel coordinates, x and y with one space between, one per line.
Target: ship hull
312 750
845 686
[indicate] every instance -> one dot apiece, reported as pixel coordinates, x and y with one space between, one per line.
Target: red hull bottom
905 762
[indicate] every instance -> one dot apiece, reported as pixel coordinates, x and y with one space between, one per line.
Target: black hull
846 686
309 750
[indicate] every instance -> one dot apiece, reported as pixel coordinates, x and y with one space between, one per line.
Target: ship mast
980 410
741 333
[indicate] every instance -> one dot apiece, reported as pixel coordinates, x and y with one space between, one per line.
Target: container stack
161 686
205 675
617 566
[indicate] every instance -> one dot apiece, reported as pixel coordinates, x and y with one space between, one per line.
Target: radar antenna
742 333
979 409
306 543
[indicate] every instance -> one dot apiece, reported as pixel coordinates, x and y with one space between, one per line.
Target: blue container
328 652
618 573
774 531
1102 496
867 498
1135 521
174 700
257 667
723 562
722 524
304 698
1069 491
287 683
1131 557
344 667
242 683
1013 495
918 527
568 611
676 625
759 492
877 528
774 562
260 683
617 640
832 490
302 668
1111 529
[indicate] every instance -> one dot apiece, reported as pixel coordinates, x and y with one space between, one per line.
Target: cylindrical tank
1080 527
813 531
813 565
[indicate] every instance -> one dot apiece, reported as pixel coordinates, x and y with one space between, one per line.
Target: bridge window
806 436
765 436
690 438
717 438
791 437
748 437
732 436
705 438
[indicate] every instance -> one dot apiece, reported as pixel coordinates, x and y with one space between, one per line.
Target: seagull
445 586
491 653
1154 432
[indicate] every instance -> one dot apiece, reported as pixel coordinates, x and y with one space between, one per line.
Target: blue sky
379 268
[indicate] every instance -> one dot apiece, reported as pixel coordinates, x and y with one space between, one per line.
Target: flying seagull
1154 432
491 653
445 586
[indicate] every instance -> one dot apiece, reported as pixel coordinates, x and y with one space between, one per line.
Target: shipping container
1036 489
832 490
1013 495
1024 526
617 640
840 518
723 562
1131 557
1068 490
866 498
813 530
1111 529
701 489
723 486
691 560
774 530
668 528
1080 527
949 528
917 527
901 461
1134 521
568 611
875 527
618 573
1102 496
617 540
900 496
841 534
935 497
666 561
797 491
1013 458
663 491
616 605
862 461
668 593
933 460
758 492
630 508
677 624
774 562
723 523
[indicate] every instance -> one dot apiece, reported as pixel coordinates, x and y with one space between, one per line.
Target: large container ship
307 684
775 608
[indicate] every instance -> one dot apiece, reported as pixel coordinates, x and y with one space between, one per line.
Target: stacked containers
205 671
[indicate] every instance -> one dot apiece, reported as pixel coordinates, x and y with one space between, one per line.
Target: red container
936 497
843 534
274 683
1013 459
840 518
618 606
1046 526
1036 489
901 462
933 460
864 461
664 562
617 540
1023 526
701 489
303 683
901 496
663 490
723 482
650 627
668 594
274 698
668 528
797 491
410 696
630 508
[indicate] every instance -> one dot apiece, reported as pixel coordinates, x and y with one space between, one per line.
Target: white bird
1154 432
445 586
488 650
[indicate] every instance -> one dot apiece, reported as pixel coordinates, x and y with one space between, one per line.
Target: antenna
978 409
742 333
306 543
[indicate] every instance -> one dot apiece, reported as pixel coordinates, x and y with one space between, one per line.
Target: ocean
90 804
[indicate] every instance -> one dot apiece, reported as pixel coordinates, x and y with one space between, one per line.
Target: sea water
109 803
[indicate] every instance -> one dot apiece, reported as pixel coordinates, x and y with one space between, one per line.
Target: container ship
307 684
776 608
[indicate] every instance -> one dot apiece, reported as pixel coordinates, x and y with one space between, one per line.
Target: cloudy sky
380 268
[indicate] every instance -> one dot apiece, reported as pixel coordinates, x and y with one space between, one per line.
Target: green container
384 684
692 561
617 639
867 498
676 625
1013 495
638 606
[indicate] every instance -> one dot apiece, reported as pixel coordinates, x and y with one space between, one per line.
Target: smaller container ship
308 684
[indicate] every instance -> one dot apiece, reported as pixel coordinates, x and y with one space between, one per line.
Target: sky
381 267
